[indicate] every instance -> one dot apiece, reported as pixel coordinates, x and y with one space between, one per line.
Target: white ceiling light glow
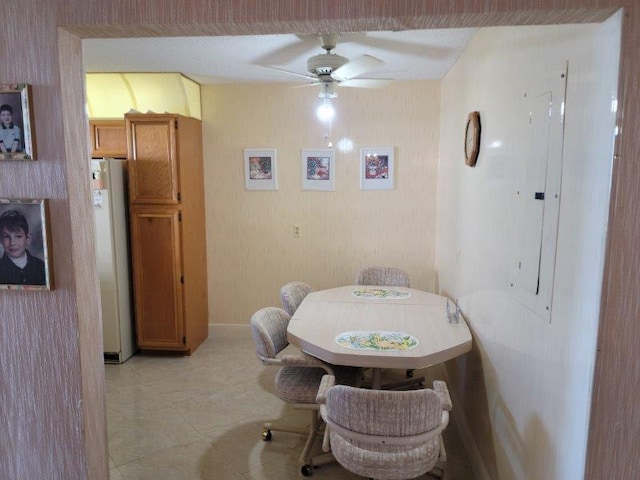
325 111
345 144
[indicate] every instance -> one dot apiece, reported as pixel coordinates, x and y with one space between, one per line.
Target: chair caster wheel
306 470
266 435
409 373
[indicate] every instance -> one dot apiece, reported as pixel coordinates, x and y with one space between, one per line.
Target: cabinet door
156 247
108 138
153 169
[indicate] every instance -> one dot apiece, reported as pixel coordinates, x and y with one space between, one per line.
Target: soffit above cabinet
111 95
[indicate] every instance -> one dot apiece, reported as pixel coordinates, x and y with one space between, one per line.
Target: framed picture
24 245
376 168
318 170
260 169
16 123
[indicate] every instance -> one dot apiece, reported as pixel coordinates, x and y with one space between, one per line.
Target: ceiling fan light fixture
327 89
325 111
325 63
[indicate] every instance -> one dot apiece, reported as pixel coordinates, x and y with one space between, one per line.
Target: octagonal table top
378 327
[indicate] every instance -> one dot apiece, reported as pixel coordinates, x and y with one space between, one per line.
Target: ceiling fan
329 69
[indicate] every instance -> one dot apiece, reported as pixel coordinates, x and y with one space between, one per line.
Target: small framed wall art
24 245
16 123
318 170
260 169
376 168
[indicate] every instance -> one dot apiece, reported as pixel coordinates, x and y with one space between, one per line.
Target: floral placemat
377 340
379 293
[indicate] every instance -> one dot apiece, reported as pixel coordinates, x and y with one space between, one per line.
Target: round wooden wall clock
472 139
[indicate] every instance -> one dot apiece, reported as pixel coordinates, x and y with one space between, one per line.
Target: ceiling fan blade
357 66
288 72
366 82
312 84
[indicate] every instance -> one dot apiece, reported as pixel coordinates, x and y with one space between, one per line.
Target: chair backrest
269 331
389 276
385 434
292 295
384 412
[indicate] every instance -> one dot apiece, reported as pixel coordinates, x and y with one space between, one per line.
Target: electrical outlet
296 231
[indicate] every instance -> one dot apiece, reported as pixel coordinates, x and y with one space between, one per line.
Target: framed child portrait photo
16 123
260 172
24 245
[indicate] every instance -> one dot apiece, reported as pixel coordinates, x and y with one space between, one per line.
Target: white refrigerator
112 254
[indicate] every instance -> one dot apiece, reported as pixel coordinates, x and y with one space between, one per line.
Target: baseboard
460 419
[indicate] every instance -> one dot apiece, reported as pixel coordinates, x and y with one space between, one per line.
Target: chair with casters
292 294
382 276
297 380
384 434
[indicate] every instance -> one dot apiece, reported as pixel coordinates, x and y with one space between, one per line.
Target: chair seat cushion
300 385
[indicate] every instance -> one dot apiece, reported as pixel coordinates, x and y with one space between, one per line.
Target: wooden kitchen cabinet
168 249
153 155
157 272
108 138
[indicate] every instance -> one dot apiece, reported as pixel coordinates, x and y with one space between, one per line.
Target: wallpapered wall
524 391
252 251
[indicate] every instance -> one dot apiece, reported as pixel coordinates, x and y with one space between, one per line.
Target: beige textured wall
519 352
251 248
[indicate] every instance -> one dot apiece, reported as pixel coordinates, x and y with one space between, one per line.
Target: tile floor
200 418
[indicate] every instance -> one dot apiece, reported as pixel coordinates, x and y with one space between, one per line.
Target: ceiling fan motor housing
325 63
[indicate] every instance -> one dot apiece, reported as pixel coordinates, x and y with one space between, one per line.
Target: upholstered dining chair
297 380
292 294
387 276
384 434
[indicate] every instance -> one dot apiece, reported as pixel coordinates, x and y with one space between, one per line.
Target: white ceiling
408 55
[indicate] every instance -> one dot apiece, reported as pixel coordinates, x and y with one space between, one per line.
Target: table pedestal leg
376 380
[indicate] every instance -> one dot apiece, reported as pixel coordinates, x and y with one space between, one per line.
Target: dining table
379 327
